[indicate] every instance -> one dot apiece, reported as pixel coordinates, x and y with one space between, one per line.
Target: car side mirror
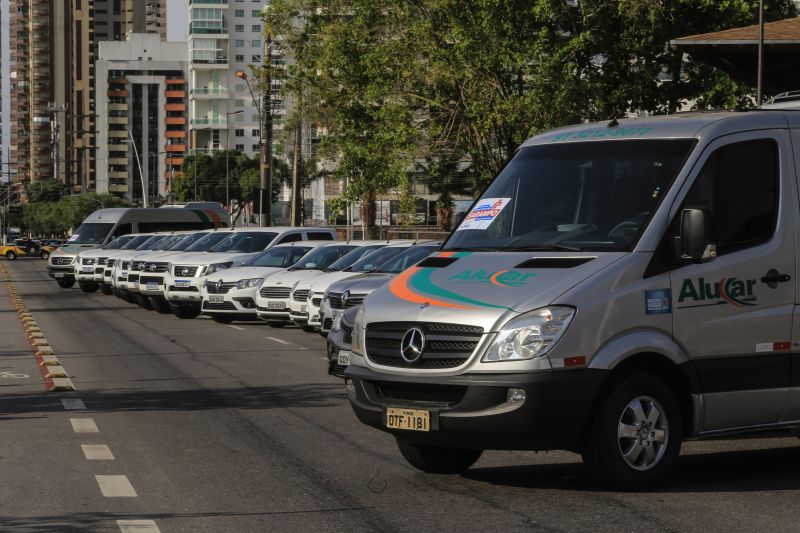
693 241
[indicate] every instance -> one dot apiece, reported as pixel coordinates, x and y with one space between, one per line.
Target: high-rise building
141 116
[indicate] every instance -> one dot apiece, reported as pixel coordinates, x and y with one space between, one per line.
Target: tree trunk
368 210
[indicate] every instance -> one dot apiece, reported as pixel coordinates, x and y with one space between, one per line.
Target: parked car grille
156 267
88 261
182 289
300 296
222 288
126 265
109 262
327 324
101 260
275 292
316 301
98 270
415 393
133 278
224 306
335 298
144 280
139 266
446 345
62 260
187 271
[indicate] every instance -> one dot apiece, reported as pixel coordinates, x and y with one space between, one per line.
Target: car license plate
152 285
410 419
278 306
182 282
216 298
59 274
344 357
87 269
303 308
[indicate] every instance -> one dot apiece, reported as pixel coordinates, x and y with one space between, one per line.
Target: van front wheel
437 459
634 438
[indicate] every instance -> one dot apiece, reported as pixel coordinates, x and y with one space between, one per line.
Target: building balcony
209 123
118 107
175 162
119 174
175 134
175 107
117 187
175 121
175 81
205 31
118 161
118 148
115 81
181 148
217 3
118 134
175 93
117 120
208 93
117 93
210 64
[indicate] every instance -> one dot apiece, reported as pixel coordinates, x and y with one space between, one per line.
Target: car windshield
91 233
375 259
186 241
151 243
167 242
322 257
208 242
594 196
405 260
246 242
280 257
119 242
352 256
135 242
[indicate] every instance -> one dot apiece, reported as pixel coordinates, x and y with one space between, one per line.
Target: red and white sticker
773 347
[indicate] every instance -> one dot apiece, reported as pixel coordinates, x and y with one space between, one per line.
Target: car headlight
530 335
357 346
216 267
247 283
337 323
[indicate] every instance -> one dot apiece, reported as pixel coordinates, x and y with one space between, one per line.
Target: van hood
481 288
73 249
361 284
238 273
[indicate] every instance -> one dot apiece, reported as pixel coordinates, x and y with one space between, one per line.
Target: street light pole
227 155
139 164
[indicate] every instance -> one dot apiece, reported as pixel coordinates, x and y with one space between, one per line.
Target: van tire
437 459
88 286
632 402
65 283
185 313
11 255
105 289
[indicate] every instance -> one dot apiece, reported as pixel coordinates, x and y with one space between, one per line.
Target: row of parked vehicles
618 288
24 247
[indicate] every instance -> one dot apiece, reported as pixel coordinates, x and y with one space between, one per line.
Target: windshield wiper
542 247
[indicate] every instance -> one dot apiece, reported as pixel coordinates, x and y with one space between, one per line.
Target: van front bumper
474 411
61 272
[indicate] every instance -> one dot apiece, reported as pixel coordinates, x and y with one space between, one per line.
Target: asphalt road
205 427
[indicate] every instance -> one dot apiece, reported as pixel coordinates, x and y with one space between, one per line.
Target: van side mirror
693 241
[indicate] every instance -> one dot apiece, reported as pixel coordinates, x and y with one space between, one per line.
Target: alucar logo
732 291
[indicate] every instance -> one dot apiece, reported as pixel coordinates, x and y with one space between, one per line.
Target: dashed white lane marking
97 452
138 526
83 425
73 404
116 487
236 327
280 341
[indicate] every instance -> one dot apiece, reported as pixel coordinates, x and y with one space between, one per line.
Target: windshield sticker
732 291
657 302
501 278
73 238
599 133
484 213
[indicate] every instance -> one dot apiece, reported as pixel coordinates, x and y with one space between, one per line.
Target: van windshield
91 233
246 242
280 256
593 196
352 256
322 257
208 242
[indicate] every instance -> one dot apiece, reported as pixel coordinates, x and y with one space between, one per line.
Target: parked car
25 248
340 342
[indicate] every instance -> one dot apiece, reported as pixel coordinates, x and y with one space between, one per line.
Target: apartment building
141 116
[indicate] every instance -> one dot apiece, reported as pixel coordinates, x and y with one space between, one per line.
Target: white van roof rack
787 100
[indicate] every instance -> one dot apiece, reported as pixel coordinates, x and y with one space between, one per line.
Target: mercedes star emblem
345 298
412 345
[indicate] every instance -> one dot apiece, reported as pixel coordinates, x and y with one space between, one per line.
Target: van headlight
357 346
216 267
247 283
529 335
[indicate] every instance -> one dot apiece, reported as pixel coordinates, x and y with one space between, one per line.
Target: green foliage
59 218
44 191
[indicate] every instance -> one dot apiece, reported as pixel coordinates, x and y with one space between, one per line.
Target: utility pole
297 161
266 137
760 82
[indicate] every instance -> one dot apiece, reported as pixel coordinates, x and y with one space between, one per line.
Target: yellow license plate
411 419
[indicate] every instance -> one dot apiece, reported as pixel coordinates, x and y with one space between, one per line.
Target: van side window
122 229
738 185
319 236
292 237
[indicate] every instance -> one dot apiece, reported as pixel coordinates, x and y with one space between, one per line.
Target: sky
178 20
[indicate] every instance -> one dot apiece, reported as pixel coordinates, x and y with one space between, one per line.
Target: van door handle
773 277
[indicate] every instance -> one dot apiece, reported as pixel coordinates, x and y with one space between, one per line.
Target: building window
239 27
238 43
255 133
240 148
256 147
238 13
256 13
256 58
255 43
239 58
239 133
256 28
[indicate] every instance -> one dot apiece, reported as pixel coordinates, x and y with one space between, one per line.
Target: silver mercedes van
617 289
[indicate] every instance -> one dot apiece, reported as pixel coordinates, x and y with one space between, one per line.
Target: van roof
693 124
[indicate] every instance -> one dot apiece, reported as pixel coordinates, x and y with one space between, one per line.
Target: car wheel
222 319
105 289
11 255
276 324
160 305
635 436
45 255
65 283
185 312
308 329
437 459
142 301
88 286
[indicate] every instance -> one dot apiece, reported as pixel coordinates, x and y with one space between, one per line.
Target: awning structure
735 51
